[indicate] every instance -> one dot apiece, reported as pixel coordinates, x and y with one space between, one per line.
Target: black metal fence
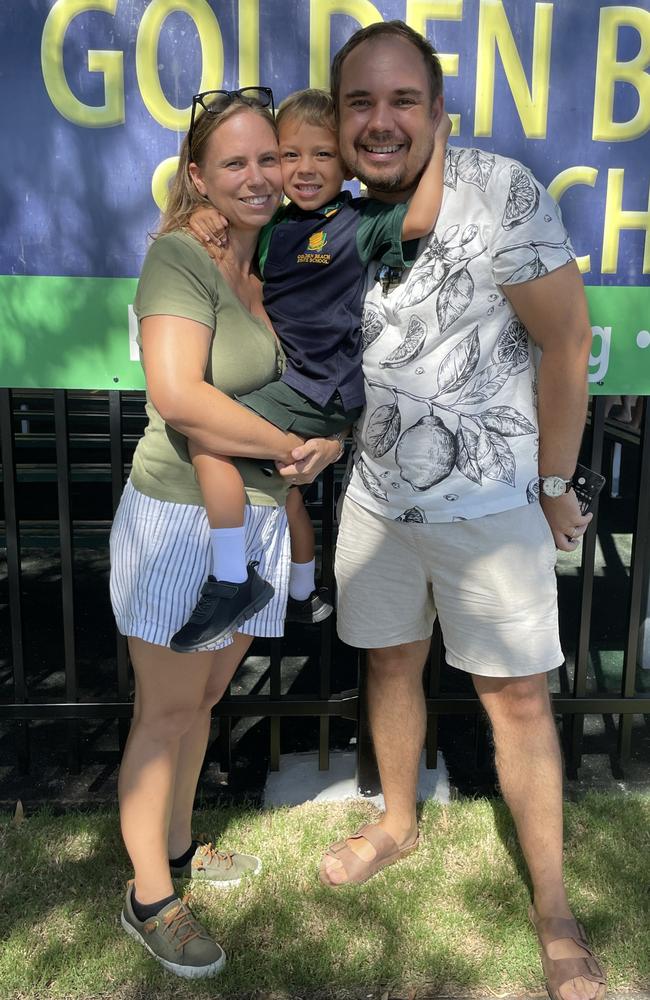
65 456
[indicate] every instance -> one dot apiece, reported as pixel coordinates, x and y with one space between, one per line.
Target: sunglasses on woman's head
215 101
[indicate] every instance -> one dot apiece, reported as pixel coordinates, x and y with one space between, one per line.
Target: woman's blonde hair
309 107
184 197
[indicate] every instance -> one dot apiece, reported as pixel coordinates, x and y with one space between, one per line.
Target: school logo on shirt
317 241
313 254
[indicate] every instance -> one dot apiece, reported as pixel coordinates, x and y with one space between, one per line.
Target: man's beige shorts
490 580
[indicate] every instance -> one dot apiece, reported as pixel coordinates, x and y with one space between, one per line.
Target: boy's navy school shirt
314 268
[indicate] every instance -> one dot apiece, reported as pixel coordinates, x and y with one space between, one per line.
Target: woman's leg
193 744
170 691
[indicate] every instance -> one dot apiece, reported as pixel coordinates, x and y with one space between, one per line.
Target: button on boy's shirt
314 268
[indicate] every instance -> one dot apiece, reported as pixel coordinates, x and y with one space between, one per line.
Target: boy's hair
308 107
384 29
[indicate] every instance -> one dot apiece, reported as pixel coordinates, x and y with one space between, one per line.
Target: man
441 514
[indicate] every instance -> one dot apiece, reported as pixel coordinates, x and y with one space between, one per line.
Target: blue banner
96 96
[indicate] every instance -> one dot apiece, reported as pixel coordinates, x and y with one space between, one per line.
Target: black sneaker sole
320 616
251 609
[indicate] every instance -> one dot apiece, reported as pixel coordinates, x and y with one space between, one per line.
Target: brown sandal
356 869
558 971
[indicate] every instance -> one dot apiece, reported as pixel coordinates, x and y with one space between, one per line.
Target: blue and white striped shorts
161 556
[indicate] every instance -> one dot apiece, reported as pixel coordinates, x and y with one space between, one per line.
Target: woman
204 337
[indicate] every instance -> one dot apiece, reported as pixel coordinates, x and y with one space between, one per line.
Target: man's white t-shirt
449 431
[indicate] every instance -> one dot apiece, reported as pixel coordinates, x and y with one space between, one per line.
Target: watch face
553 486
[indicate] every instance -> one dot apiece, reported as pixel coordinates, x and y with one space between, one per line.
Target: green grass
451 918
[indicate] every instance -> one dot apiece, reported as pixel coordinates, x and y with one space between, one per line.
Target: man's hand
309 460
210 228
565 520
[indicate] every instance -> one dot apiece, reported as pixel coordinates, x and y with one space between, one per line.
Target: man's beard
394 184
387 185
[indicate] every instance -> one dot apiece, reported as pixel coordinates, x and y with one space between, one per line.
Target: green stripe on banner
68 333
620 353
78 333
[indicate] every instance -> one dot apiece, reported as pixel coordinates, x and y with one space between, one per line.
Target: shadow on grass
607 875
452 917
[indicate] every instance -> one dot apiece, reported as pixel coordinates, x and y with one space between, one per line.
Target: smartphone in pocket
587 484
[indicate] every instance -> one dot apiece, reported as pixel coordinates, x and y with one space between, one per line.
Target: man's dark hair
391 29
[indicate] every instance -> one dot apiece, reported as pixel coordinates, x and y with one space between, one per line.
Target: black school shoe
314 609
221 609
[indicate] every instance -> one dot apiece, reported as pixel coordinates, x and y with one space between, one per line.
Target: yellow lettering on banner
108 62
609 71
146 57
249 43
418 12
616 219
494 33
567 179
321 13
162 177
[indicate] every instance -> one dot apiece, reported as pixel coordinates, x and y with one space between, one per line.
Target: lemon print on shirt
523 199
317 242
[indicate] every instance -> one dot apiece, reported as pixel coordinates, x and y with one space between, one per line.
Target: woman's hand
309 460
210 228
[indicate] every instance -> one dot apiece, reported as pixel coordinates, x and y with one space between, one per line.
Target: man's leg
529 767
395 706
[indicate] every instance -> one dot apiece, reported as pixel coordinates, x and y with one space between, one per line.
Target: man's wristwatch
554 486
341 437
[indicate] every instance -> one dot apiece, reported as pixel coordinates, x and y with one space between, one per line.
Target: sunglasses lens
256 95
215 101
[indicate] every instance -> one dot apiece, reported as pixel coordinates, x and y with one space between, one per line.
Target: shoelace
209 852
178 920
203 609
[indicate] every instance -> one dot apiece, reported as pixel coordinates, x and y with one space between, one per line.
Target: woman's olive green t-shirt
180 279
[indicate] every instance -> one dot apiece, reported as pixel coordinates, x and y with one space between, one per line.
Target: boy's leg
235 591
303 547
225 501
306 604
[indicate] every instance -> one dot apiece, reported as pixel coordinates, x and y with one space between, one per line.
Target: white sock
302 580
229 554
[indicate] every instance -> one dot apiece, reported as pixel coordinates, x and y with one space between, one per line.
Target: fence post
574 727
638 567
117 484
67 569
14 572
368 781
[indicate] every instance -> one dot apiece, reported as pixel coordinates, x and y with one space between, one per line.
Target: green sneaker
176 939
220 869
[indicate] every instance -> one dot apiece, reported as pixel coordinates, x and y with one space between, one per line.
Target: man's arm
553 309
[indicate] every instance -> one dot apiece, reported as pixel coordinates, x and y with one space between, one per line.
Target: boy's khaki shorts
490 580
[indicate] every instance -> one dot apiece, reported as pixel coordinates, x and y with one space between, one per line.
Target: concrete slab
299 780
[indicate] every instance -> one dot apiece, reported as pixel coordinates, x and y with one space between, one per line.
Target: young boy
313 257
